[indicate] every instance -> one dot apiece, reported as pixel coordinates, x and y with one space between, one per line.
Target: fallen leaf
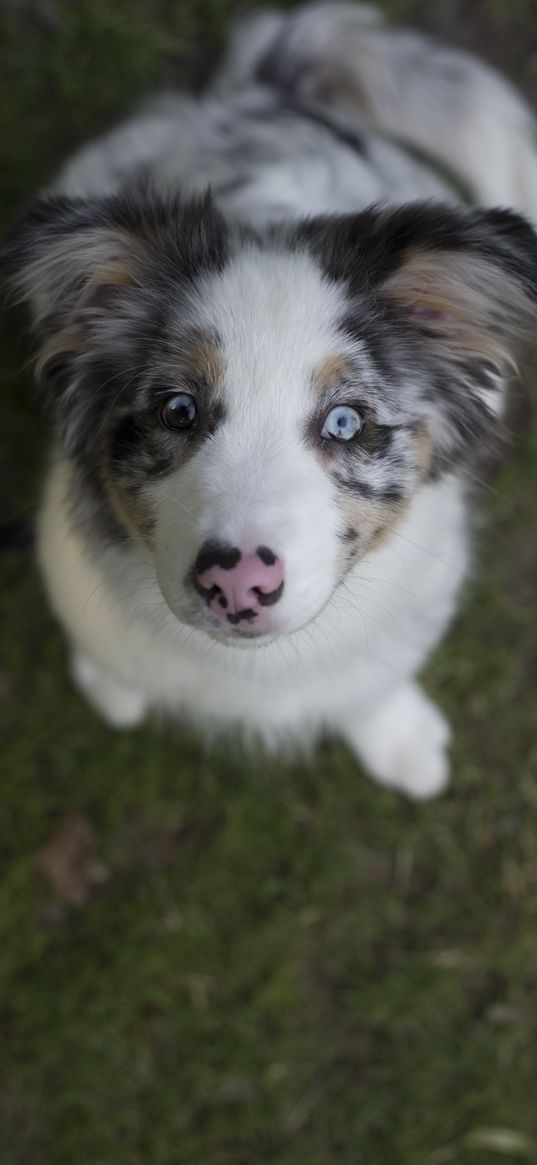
504 1014
235 1090
201 989
499 1140
69 861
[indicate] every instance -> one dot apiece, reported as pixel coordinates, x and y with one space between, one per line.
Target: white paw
119 705
404 744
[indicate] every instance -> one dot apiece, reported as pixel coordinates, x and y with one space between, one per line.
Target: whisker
427 550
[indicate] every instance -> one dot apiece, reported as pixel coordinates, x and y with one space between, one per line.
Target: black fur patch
366 248
362 489
187 238
138 451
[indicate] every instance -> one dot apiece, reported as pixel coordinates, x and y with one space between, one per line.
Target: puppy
266 398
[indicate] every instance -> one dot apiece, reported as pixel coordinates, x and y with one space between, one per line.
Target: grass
279 963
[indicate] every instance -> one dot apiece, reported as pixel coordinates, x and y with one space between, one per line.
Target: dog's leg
403 743
120 706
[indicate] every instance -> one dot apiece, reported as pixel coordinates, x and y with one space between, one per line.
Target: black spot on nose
268 600
240 615
214 553
267 556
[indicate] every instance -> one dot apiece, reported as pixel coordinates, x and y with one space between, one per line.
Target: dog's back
328 110
452 111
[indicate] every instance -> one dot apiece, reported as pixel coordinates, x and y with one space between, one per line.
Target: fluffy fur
334 266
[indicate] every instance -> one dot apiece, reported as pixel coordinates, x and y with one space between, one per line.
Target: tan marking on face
131 507
332 370
424 451
391 519
375 522
201 359
130 504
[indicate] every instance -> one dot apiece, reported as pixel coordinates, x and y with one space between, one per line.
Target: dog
276 326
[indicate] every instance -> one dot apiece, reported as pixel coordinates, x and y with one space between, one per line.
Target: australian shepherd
275 327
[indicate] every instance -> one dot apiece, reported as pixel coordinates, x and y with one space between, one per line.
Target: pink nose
238 586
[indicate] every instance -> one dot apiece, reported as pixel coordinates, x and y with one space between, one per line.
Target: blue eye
179 412
342 423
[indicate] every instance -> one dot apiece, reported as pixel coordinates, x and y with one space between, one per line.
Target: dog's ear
76 261
94 274
459 288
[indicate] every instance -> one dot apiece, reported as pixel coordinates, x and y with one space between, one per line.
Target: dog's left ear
459 288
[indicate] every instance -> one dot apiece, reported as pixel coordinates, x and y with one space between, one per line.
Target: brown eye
179 412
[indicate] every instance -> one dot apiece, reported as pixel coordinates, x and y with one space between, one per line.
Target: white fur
346 654
255 482
374 633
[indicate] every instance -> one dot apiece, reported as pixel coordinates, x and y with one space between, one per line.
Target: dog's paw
119 705
404 744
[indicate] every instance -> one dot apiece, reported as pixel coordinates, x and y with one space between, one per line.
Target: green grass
285 964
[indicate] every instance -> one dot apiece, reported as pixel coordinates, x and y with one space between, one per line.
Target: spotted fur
334 263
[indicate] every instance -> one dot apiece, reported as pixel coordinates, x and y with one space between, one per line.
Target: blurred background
208 958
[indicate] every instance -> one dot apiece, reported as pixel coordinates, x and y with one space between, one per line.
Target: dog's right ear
90 270
62 252
70 262
67 254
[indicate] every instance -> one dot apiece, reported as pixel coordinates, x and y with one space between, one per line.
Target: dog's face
260 410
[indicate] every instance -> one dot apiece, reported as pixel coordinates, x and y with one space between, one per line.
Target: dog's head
260 409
